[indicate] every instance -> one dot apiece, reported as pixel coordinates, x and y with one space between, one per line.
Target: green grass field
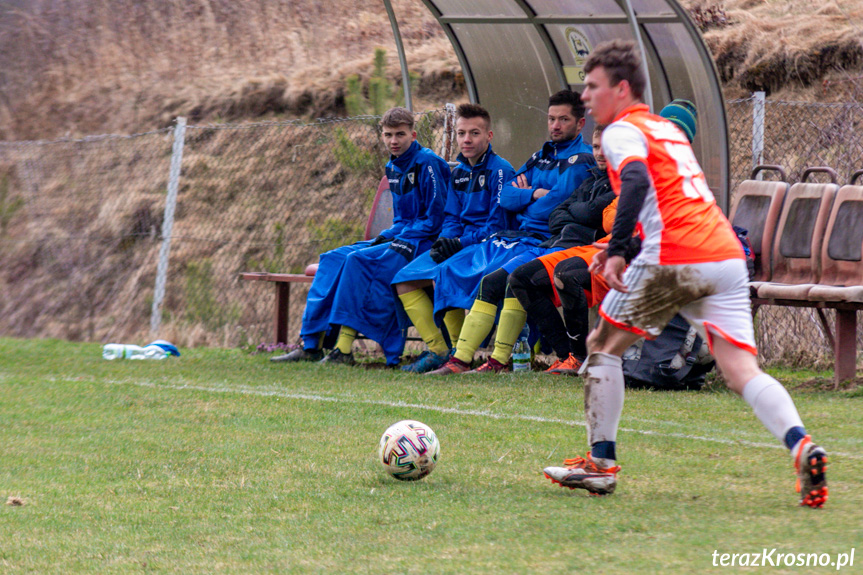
221 462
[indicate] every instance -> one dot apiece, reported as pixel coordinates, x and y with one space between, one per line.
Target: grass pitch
221 462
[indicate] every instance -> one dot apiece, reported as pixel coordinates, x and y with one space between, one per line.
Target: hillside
75 67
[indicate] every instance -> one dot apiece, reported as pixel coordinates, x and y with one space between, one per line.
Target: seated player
575 223
691 262
472 213
568 279
475 277
351 288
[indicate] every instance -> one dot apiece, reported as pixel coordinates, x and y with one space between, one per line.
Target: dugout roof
515 53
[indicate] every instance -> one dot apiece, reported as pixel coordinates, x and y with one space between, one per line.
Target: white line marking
478 413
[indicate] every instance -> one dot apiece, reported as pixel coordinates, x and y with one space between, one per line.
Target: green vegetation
359 159
334 232
222 462
382 94
202 305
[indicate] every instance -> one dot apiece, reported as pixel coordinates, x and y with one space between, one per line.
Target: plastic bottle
521 353
127 351
159 349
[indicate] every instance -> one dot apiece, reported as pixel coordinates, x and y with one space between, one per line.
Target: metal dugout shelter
515 53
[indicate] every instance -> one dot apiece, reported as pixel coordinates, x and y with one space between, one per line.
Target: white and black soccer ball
409 450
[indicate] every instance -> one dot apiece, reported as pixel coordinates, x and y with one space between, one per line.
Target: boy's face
398 139
473 137
599 96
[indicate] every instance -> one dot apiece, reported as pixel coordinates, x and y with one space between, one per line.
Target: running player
690 262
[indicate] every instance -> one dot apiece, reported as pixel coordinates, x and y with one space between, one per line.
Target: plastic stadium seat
756 207
797 250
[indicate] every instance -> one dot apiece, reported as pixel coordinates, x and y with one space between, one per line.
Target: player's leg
625 317
603 404
724 319
478 323
318 304
454 322
531 285
509 327
420 309
572 278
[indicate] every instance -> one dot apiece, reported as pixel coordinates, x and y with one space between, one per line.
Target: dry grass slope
95 66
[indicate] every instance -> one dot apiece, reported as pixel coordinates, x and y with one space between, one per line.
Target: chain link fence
82 225
796 136
81 221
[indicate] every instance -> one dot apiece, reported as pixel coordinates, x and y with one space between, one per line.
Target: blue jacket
559 168
418 181
473 208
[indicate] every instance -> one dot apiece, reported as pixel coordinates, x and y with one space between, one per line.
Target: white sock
603 396
772 405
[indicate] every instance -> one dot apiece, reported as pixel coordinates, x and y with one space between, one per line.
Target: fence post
758 131
448 132
168 224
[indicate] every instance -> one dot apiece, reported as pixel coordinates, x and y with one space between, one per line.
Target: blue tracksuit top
473 208
559 168
418 181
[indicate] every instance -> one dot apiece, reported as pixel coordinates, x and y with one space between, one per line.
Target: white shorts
712 296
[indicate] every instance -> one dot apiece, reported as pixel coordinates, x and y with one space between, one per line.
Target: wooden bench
811 257
380 218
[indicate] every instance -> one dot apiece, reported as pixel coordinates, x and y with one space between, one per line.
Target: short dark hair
597 129
573 99
621 62
398 116
473 111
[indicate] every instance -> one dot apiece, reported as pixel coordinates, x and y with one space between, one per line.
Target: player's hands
521 182
598 261
380 240
539 192
611 268
443 248
613 273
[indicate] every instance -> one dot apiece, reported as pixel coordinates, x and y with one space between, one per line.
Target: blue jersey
418 182
559 168
473 208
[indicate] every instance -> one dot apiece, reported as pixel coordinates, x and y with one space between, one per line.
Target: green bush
333 232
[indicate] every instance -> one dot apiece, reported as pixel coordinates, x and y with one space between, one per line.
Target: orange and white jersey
679 222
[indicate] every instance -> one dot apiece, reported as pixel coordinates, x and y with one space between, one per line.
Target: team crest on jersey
411 177
482 180
573 159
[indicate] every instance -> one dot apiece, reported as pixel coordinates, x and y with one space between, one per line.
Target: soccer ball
409 450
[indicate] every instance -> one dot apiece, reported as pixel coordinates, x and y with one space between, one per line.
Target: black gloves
380 240
442 248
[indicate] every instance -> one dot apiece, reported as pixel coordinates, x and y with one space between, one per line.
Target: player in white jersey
691 263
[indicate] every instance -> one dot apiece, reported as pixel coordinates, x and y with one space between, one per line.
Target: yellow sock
454 320
477 326
419 307
346 339
512 318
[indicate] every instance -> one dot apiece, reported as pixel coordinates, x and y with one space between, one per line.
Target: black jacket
576 221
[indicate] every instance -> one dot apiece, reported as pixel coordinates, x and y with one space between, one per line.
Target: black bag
677 359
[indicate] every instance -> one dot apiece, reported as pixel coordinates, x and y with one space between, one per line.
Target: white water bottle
126 351
521 353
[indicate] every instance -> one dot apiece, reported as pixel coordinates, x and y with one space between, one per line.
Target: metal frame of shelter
515 53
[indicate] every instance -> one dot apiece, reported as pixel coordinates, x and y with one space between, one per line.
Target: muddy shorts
712 296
